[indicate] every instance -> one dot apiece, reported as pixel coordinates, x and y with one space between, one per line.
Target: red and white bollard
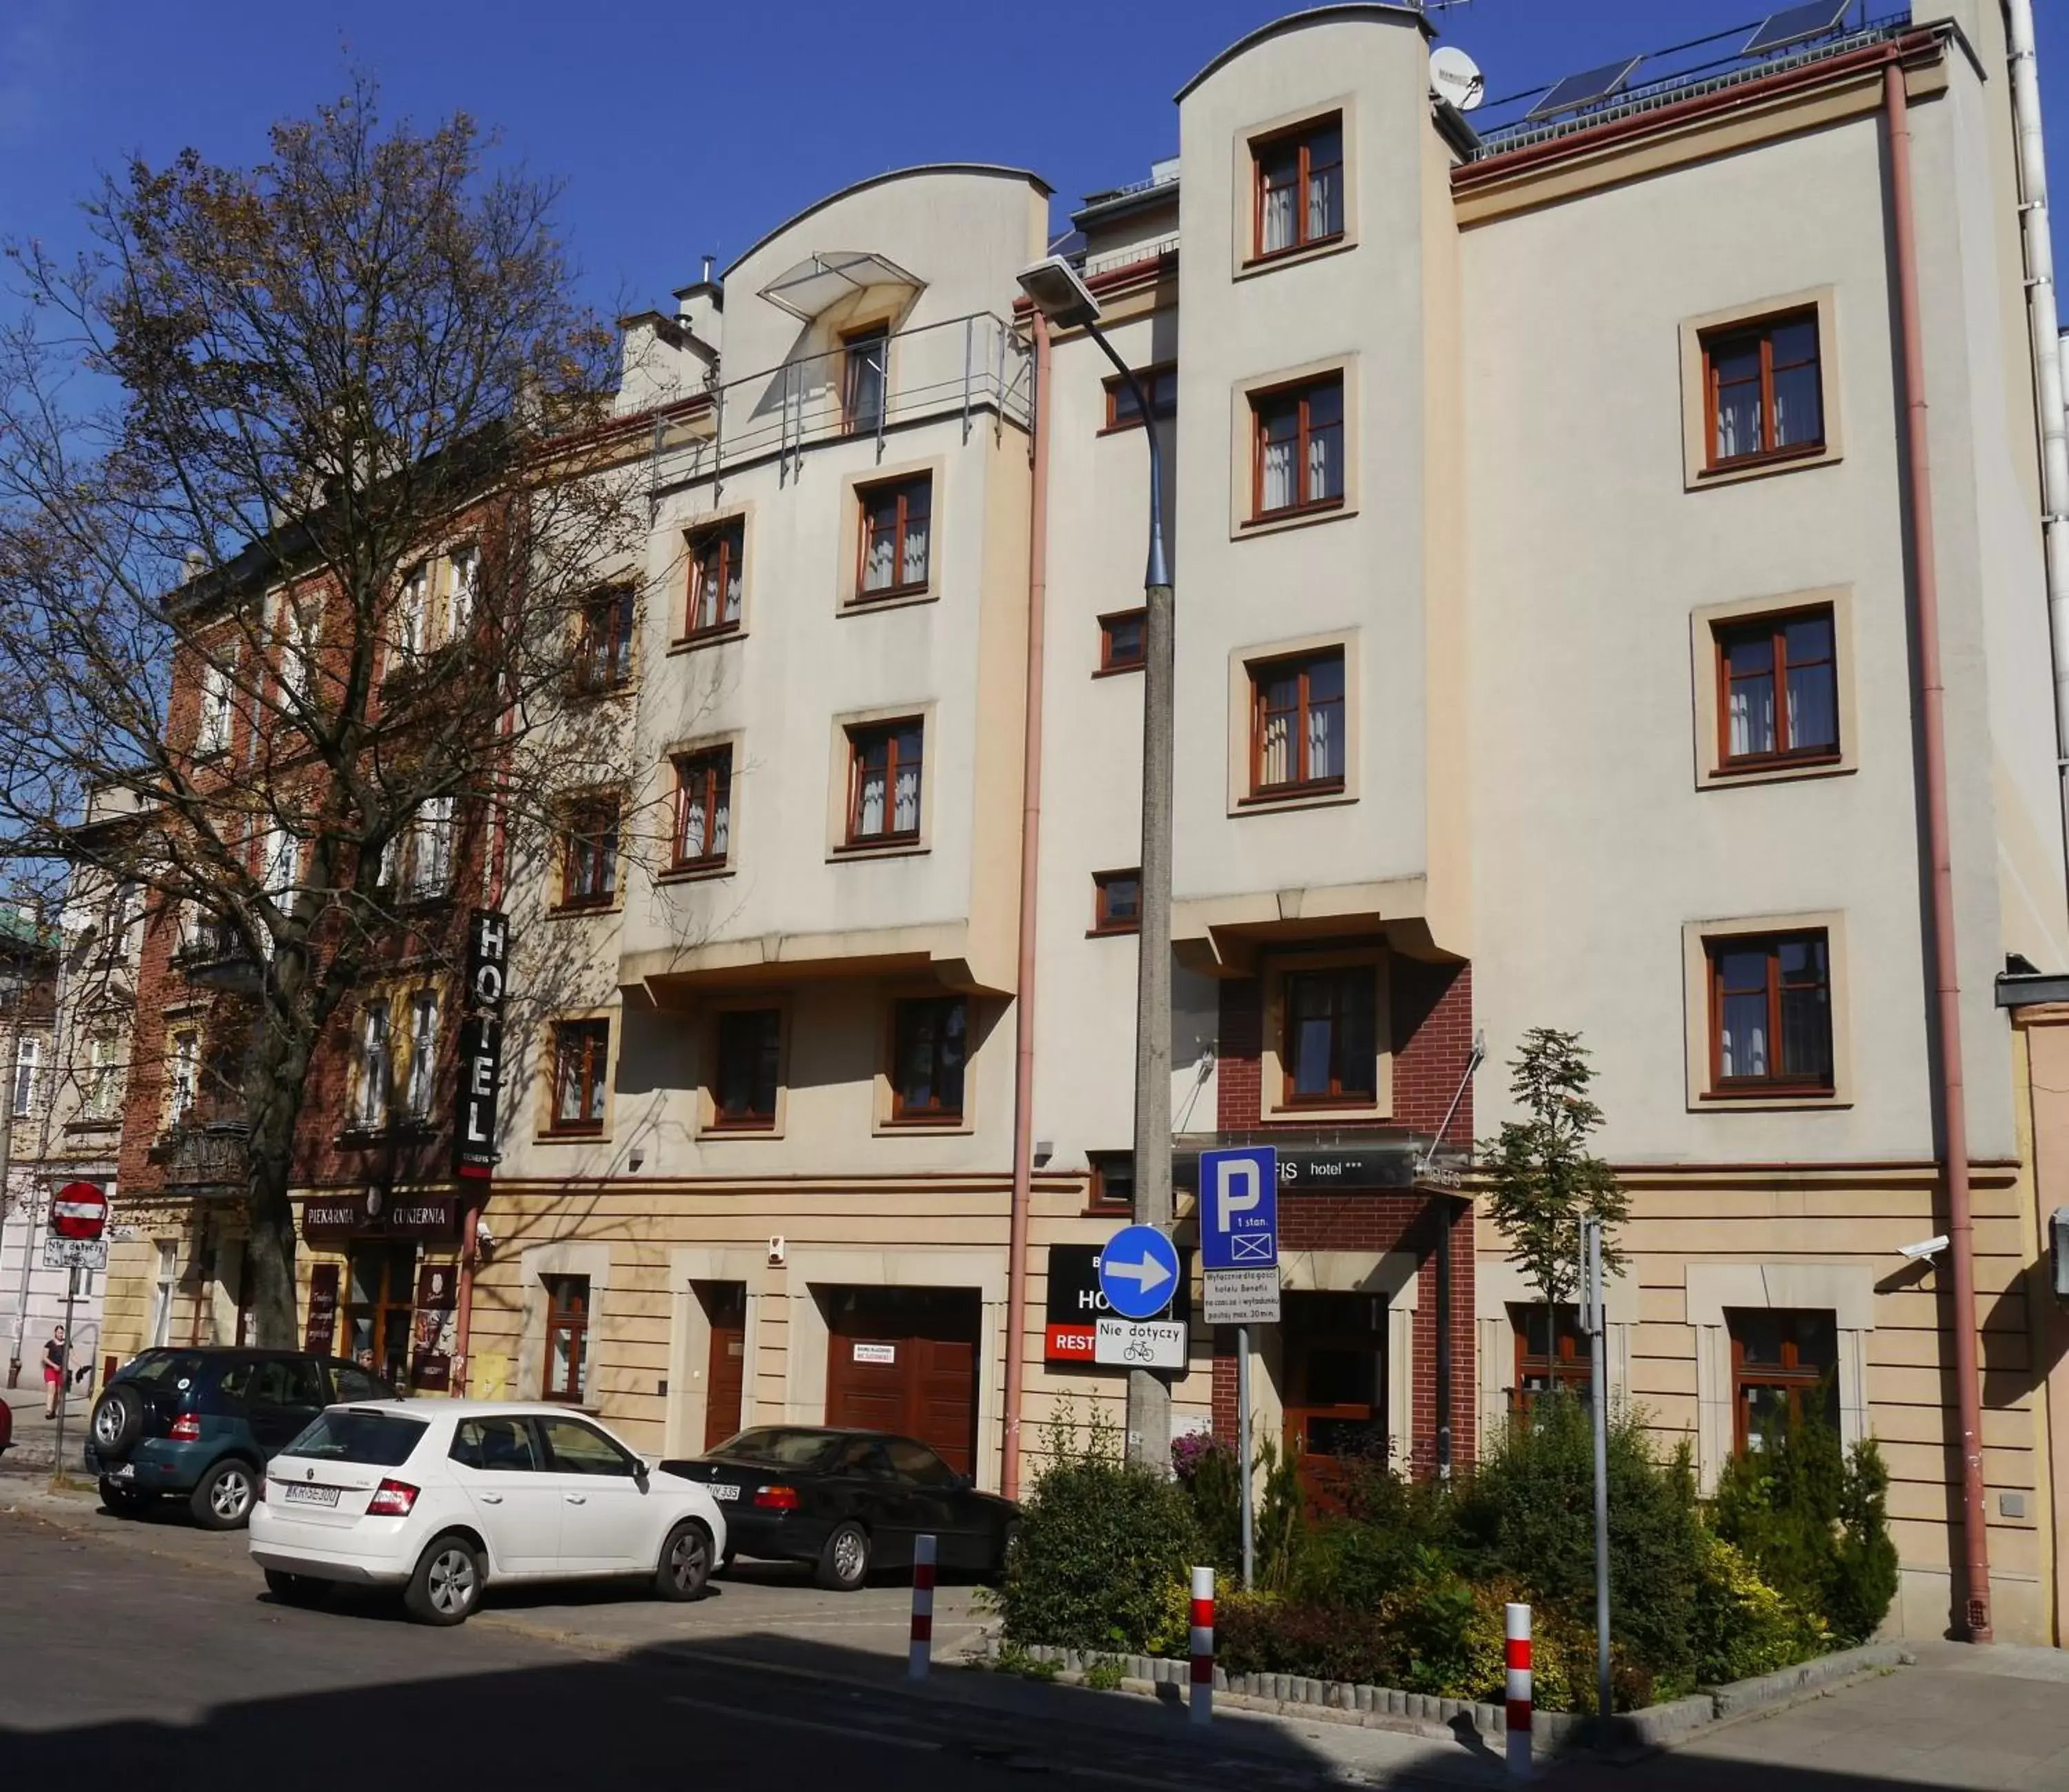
1203 1646
922 1653
1520 1702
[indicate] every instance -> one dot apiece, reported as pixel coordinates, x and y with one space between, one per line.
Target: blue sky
685 129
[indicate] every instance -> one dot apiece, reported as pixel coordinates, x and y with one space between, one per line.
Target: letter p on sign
1237 1189
1239 1208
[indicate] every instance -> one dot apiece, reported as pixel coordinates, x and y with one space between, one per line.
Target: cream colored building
1546 626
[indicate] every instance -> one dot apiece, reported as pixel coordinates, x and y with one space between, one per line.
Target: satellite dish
1454 75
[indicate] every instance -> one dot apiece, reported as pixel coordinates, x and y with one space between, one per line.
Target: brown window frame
860 736
598 846
1103 921
903 488
1774 624
573 1323
1110 663
1098 1196
1789 1377
852 368
587 1038
1776 1082
936 1114
751 1119
730 537
620 602
1338 1094
1118 392
1735 334
714 766
1302 392
1565 1365
1260 672
1303 135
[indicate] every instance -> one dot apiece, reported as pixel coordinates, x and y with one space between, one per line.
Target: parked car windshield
378 1439
782 1449
164 1368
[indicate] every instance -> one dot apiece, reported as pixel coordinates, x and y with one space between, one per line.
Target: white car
440 1497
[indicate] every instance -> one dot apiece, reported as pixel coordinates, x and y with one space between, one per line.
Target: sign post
1239 1256
77 1225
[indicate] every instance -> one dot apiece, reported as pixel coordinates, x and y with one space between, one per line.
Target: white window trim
1499 1285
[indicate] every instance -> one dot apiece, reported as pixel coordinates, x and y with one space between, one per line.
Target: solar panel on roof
1585 89
1795 25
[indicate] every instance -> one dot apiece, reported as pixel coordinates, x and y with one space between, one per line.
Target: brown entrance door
1334 1349
725 1376
381 1289
905 1360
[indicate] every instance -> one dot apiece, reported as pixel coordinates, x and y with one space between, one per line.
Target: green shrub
1210 1470
1814 1523
1742 1626
1528 1518
1104 1550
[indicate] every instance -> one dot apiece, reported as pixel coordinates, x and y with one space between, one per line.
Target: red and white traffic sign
80 1211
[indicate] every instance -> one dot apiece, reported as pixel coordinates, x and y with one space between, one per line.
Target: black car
200 1422
848 1501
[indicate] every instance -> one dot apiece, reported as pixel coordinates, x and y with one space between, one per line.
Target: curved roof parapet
827 276
1314 15
999 169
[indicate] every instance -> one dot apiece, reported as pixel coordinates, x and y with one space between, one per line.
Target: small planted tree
1541 1179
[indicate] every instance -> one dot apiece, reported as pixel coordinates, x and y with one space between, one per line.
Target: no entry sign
79 1210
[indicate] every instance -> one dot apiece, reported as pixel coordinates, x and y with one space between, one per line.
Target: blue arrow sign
1138 1272
1239 1208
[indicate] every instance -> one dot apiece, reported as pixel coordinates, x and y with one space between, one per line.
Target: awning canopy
821 280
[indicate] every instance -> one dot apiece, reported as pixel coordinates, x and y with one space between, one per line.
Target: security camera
1926 1248
482 1236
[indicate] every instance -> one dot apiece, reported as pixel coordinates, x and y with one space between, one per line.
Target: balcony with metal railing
214 954
204 1149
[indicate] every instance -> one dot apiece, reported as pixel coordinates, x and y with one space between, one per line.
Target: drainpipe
2042 314
1023 1007
1954 1113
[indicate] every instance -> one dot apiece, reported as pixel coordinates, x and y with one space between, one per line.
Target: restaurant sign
375 1213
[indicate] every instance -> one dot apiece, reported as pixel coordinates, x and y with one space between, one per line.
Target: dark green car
201 1423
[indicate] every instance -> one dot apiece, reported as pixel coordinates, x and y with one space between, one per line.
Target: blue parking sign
1239 1208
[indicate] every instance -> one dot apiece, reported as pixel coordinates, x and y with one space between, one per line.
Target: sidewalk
35 1437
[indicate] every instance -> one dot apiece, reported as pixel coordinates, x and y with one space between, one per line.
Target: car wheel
223 1500
686 1562
126 1502
296 1589
117 1422
844 1562
446 1585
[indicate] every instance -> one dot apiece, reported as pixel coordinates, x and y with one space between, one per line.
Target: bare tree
312 534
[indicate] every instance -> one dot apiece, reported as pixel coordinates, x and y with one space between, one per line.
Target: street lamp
1062 297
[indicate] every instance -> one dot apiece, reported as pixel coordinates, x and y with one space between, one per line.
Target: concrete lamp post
1060 294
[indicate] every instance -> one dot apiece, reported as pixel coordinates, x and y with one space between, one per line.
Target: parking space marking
847 1733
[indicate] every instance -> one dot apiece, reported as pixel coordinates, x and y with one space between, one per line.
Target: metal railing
204 1153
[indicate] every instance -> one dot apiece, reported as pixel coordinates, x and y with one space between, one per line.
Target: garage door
906 1360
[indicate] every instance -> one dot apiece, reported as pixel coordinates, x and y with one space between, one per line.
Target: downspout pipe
1023 1007
2042 314
1975 1623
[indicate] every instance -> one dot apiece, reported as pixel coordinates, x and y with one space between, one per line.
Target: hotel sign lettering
481 1044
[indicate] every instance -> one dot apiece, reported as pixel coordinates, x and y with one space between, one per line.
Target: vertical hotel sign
481 1044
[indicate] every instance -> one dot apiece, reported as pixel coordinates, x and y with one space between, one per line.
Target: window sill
1730 473
740 1129
1774 1100
582 911
569 1135
1279 520
1307 1114
1777 771
1308 797
1120 671
903 598
1113 932
580 692
1294 257
695 874
871 849
961 1127
1133 424
113 1124
707 638
414 1131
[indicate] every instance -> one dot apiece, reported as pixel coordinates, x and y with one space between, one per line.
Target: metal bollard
1203 1646
1518 1719
920 1657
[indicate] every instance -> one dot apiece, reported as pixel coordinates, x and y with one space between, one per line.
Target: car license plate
309 1496
724 1490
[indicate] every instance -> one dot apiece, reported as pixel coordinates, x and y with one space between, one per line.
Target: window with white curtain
212 731
464 571
1300 448
413 607
183 1078
1299 187
1779 678
28 1068
423 1052
884 786
373 1106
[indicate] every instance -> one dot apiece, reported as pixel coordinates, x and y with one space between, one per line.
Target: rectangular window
930 1052
1763 390
413 611
582 1057
863 355
1161 382
588 855
1117 902
1123 641
182 1079
1299 187
28 1063
103 1077
1329 1042
1113 1181
1297 724
603 650
416 864
423 1052
567 1337
703 809
463 579
895 530
212 733
301 620
1785 1368
1298 463
749 1067
372 1112
717 558
1777 690
1550 1353
883 782
1770 1014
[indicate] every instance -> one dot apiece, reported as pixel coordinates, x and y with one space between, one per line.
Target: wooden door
1334 1349
725 1374
905 1360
